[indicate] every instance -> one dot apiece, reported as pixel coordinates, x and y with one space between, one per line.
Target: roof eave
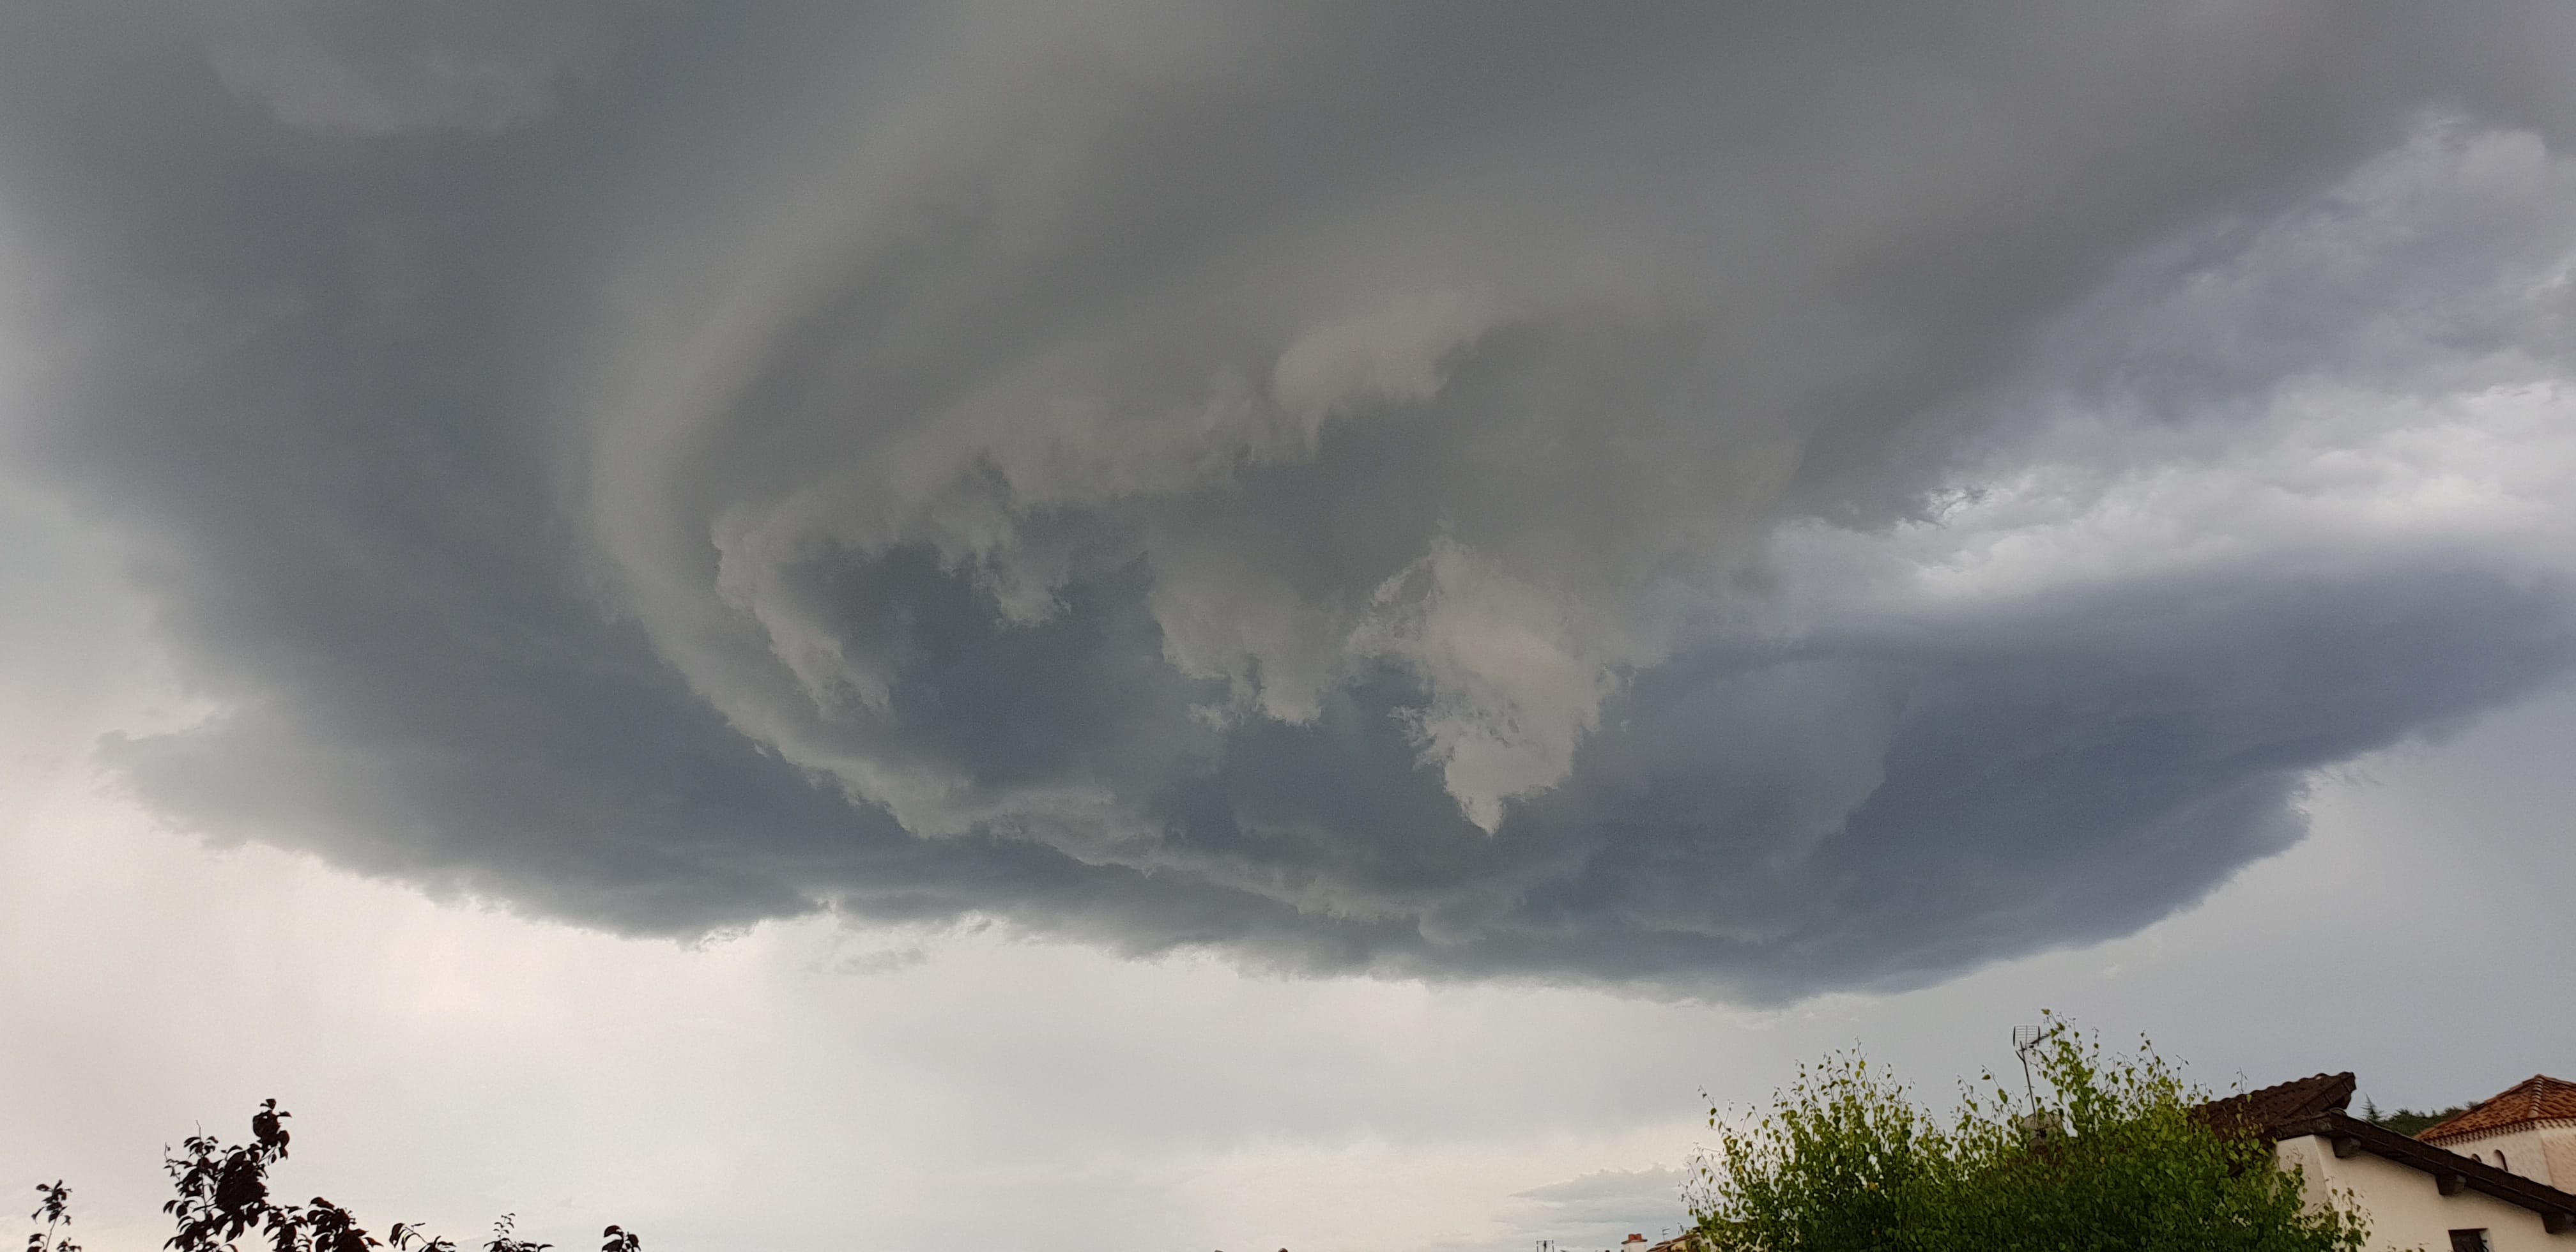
2451 1171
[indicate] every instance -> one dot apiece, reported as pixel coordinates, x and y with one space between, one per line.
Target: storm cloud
1725 499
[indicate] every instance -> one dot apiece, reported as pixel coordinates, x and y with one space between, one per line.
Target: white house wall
2542 1151
2406 1210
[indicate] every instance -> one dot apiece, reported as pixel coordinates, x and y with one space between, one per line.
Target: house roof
2315 1106
2282 1103
2350 1136
2538 1098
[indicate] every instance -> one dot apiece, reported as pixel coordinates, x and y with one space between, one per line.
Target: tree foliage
2113 1158
54 1209
222 1203
2412 1122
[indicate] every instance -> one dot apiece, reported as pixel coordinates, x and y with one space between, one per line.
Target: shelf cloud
1728 500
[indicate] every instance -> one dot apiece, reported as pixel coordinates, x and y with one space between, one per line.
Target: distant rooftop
2539 1098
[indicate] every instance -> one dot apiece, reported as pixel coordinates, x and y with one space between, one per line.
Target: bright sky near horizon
1141 626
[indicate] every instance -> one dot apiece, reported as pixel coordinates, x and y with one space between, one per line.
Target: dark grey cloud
370 74
1738 500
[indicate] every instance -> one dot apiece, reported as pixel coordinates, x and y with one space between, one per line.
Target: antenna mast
2039 1126
2026 1038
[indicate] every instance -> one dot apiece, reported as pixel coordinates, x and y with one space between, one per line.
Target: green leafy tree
2113 1158
2411 1122
222 1201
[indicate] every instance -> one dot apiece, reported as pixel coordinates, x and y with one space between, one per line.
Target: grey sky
1721 504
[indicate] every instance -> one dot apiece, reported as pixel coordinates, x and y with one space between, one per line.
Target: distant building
2420 1194
2529 1130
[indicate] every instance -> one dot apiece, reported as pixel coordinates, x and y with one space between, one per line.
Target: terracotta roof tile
2281 1104
2534 1099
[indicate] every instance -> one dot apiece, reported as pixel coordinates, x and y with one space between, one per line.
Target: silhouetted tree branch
54 1210
223 1198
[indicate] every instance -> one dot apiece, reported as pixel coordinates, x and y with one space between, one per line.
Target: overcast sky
1221 626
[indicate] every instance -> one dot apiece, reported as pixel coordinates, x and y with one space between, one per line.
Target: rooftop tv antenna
2025 1041
2039 1126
